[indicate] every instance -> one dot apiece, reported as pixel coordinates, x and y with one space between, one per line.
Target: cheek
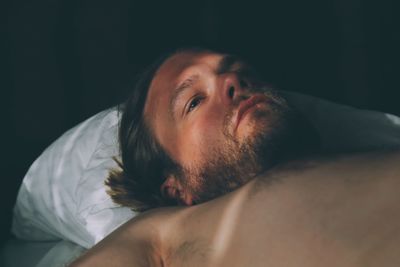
207 129
200 137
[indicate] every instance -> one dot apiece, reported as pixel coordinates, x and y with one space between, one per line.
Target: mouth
248 105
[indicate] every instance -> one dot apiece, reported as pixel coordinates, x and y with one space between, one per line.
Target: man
336 212
201 124
210 136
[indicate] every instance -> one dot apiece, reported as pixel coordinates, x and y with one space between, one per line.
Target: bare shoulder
335 181
137 243
351 201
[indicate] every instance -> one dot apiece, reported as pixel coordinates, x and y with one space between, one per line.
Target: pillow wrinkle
48 191
100 162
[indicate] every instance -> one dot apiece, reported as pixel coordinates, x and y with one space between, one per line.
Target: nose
232 88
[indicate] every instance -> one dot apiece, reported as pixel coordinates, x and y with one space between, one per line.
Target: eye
194 103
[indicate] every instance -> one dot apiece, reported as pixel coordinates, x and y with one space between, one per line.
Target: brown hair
144 164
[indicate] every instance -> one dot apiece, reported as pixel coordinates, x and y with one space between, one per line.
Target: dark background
65 60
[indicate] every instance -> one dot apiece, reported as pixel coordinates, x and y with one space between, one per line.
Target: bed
62 208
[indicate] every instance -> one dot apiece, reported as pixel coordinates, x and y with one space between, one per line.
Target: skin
326 212
336 212
194 126
331 212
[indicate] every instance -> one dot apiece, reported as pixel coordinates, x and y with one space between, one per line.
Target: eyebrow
182 87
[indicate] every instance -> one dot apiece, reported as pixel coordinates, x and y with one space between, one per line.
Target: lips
247 104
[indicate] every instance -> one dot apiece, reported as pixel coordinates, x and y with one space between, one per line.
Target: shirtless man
202 127
337 212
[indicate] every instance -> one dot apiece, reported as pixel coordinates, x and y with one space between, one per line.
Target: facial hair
234 163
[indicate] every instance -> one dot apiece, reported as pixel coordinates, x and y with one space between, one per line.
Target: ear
172 188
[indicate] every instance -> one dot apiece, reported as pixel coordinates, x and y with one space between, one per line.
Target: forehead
178 63
174 68
169 75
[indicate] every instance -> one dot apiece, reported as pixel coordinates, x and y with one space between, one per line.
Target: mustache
272 94
264 89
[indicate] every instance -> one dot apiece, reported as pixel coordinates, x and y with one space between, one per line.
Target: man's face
213 119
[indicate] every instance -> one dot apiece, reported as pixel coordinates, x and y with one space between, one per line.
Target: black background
65 60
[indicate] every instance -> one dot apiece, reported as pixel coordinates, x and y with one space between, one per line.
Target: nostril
231 91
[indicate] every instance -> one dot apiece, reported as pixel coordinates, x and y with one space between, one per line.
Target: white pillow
63 194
